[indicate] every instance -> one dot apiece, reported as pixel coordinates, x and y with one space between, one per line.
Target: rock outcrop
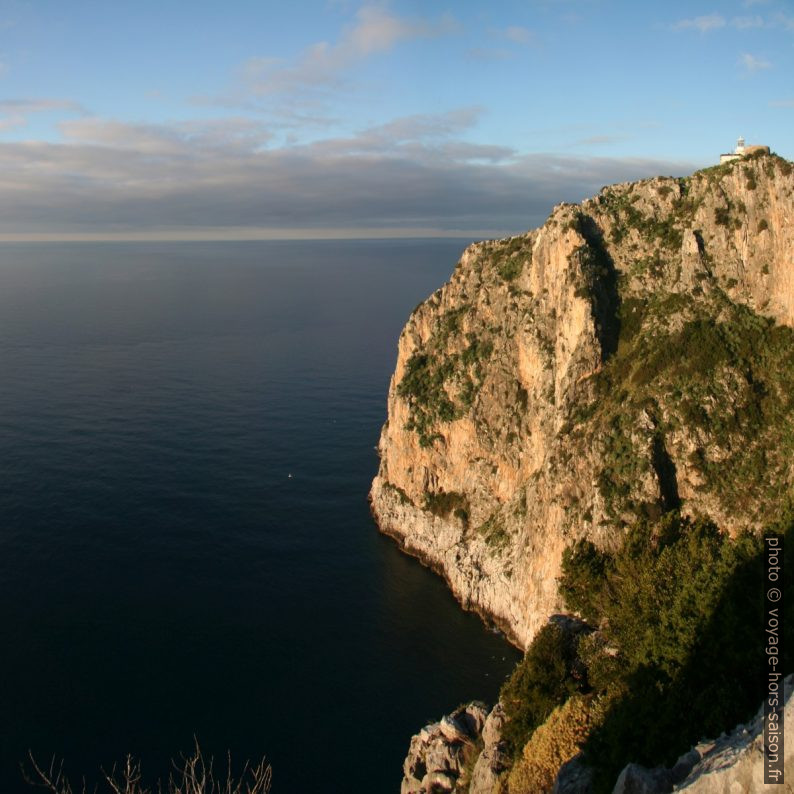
494 757
731 764
441 754
538 397
463 752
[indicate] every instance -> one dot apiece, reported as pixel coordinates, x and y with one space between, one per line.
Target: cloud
709 22
782 103
165 140
488 54
14 113
423 126
298 94
702 23
375 30
38 105
786 22
225 179
420 138
518 34
753 64
600 140
746 23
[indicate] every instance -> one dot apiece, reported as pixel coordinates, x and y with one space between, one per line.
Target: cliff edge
629 357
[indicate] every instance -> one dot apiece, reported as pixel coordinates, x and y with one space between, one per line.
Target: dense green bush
584 571
510 268
544 679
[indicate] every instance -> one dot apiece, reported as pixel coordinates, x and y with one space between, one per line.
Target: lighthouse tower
736 154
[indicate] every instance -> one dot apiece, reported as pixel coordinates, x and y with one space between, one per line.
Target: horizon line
253 234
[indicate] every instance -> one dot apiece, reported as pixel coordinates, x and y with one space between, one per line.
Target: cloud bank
413 175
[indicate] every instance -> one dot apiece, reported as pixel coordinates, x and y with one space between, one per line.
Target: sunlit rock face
540 396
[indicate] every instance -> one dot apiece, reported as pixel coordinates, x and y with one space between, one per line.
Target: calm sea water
161 574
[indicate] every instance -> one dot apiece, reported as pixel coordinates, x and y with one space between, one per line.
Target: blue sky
335 118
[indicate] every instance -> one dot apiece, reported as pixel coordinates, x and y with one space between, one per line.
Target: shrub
543 680
722 216
556 741
402 496
583 572
444 504
510 268
440 386
423 385
494 532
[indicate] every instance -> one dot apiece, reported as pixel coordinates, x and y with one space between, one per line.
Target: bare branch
191 775
52 779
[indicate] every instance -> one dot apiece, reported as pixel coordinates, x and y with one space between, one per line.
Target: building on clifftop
742 151
736 154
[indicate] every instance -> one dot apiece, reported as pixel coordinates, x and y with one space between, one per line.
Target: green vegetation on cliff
714 370
675 627
622 380
439 385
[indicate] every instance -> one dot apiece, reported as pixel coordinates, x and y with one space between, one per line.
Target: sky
333 118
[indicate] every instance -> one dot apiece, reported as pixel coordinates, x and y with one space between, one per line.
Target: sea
187 439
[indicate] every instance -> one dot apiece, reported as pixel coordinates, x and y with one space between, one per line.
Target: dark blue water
161 574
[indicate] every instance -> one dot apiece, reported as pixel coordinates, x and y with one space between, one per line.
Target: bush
722 216
553 743
543 680
510 269
583 572
443 504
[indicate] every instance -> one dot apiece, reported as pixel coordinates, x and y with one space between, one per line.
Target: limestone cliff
624 358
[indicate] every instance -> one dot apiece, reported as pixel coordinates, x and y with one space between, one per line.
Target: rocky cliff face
624 358
459 753
464 752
